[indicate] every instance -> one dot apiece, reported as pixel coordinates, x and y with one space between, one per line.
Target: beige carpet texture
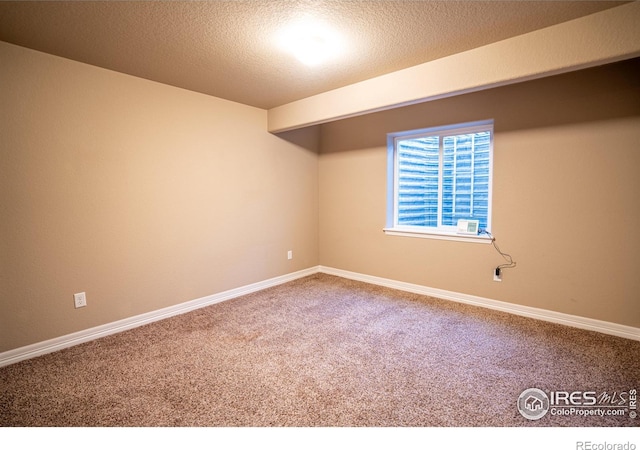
324 351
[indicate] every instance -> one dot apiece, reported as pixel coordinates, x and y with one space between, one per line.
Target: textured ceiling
228 48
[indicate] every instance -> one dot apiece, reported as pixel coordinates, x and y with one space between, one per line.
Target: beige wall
566 199
140 194
147 196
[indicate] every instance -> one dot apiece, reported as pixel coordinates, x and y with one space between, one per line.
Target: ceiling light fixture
310 41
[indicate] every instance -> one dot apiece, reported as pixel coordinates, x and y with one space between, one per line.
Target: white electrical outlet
80 299
497 275
290 254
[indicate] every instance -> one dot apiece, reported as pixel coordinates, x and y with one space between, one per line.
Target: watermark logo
588 445
533 404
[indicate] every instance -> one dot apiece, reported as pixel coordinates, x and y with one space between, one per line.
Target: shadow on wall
307 138
546 102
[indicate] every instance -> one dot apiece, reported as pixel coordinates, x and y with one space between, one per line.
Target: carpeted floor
321 351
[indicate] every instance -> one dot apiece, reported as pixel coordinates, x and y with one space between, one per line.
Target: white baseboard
69 340
584 323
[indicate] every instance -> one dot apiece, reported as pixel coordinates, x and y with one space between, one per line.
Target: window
437 176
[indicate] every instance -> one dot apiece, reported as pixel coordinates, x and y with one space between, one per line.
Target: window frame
443 232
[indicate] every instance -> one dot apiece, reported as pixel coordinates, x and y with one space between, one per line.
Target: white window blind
442 175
